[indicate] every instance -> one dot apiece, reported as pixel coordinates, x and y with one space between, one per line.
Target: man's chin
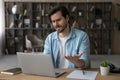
60 31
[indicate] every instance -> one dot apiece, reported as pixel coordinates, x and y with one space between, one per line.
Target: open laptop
37 64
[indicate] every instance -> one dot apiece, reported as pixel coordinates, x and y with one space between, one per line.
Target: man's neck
65 33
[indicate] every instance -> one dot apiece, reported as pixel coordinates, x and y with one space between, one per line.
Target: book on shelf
73 9
11 25
6 51
20 25
25 12
92 8
92 24
96 52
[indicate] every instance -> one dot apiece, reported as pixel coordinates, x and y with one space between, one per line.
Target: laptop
37 64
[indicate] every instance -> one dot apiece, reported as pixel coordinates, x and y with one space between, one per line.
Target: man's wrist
80 63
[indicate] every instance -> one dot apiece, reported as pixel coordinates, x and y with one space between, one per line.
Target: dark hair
62 9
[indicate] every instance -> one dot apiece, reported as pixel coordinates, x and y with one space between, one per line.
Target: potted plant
104 68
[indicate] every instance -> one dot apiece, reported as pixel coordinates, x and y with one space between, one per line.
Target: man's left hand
74 58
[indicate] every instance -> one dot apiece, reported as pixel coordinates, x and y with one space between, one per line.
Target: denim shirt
77 41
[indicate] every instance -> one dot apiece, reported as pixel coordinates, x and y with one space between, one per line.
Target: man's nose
56 23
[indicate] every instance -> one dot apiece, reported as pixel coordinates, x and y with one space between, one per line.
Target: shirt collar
71 35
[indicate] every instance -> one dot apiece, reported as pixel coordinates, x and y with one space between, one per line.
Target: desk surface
22 76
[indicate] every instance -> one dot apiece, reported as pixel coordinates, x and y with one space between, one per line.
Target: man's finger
80 53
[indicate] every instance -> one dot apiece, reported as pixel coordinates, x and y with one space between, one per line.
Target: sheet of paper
78 74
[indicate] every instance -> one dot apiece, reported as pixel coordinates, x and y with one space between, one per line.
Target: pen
83 72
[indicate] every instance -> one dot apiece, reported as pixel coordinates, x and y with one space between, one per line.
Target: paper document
78 74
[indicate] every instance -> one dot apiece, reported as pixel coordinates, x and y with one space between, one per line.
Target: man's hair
62 9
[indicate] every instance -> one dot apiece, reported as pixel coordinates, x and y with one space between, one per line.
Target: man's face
59 22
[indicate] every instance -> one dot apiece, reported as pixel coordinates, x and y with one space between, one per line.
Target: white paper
78 74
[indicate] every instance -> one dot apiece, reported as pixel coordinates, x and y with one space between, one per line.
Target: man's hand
28 51
75 59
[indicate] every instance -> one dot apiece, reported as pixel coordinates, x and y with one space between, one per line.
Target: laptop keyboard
56 73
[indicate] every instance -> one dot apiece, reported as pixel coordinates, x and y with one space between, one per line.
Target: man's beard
62 30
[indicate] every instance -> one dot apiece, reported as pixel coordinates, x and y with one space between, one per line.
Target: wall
116 33
64 0
1 26
116 42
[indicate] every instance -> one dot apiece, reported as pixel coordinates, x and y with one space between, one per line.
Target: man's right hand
28 51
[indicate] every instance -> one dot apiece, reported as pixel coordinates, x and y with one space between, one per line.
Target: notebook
37 64
11 71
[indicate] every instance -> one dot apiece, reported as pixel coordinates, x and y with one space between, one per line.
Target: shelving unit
93 17
101 27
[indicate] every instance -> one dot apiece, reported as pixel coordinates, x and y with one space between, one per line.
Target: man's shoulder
79 31
52 34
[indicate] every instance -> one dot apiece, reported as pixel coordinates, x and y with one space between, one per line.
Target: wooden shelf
83 15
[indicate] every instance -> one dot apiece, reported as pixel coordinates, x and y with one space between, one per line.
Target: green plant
104 63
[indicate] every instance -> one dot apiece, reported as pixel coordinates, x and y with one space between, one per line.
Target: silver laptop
37 64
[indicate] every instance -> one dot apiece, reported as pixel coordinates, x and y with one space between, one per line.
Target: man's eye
53 21
58 19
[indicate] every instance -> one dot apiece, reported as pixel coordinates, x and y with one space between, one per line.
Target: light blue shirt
77 41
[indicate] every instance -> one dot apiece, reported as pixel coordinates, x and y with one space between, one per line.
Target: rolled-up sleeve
85 47
47 46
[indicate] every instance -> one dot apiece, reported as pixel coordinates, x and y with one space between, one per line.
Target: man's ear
67 18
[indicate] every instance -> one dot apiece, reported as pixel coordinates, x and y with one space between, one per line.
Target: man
68 47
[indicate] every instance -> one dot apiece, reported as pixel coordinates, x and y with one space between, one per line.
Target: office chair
33 42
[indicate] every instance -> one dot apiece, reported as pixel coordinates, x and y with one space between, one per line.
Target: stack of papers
78 74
